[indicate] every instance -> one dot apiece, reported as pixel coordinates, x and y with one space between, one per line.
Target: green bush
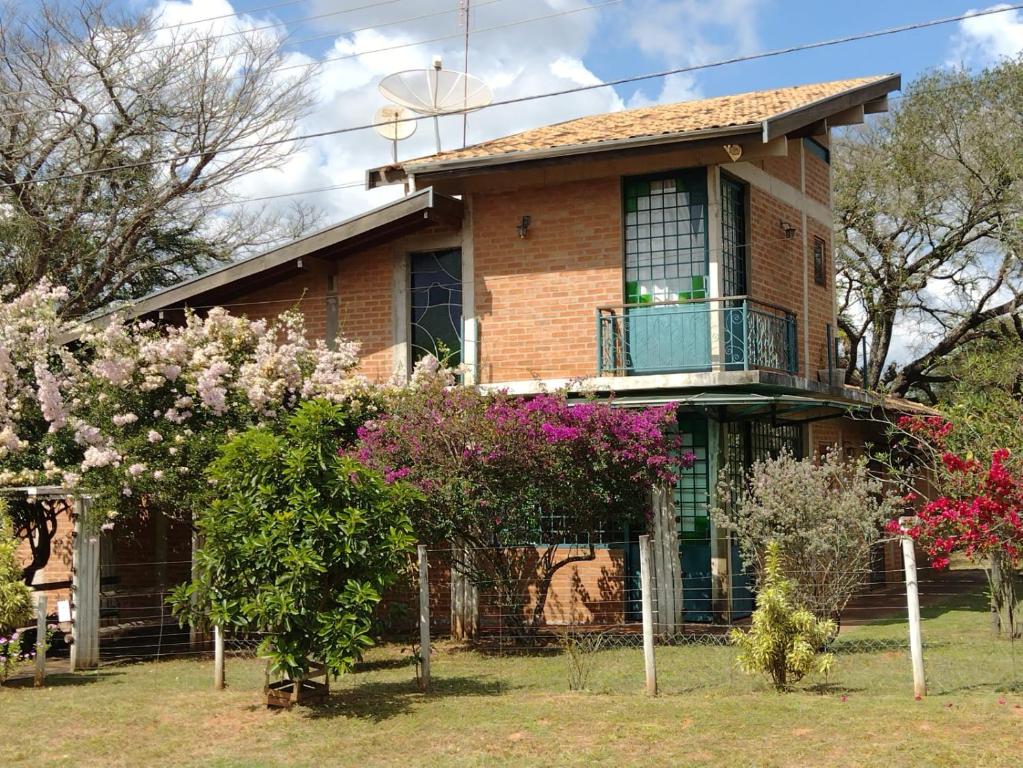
785 640
15 596
299 543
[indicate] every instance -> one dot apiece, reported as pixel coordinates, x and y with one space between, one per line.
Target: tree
137 412
928 203
820 518
143 131
976 510
512 479
299 543
784 639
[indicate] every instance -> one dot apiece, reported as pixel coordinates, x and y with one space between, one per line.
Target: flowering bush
509 474
155 403
134 414
977 511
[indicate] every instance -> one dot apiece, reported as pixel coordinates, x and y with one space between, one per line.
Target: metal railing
733 333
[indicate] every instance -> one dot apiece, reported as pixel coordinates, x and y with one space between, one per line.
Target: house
675 253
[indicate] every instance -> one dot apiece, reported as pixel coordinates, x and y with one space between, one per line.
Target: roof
387 221
764 114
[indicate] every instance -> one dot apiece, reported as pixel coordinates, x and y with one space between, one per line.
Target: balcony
733 333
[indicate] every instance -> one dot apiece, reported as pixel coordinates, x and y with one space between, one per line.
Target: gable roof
405 215
764 115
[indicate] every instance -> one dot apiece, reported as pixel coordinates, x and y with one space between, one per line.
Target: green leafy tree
299 543
927 204
785 639
823 518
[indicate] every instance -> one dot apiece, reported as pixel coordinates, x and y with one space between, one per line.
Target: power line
549 94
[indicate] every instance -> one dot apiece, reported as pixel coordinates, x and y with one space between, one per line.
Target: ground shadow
61 680
378 701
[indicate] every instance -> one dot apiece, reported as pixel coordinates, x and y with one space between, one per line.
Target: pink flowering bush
133 413
154 404
511 479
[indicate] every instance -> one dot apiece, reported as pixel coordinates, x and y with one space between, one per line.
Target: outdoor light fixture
523 226
788 229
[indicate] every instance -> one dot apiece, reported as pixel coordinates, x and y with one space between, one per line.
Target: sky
519 52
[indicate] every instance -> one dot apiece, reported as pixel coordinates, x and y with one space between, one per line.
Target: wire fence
579 626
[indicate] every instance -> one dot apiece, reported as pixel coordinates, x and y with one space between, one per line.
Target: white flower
123 419
154 437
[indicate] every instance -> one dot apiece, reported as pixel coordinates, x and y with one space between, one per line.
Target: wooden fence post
648 614
424 619
40 640
916 646
84 594
218 658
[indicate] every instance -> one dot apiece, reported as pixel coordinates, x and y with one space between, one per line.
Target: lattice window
436 303
666 237
733 237
692 490
820 268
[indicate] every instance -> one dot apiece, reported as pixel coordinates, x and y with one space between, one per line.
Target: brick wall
536 297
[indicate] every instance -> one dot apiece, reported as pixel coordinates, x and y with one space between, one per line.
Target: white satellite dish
436 92
394 123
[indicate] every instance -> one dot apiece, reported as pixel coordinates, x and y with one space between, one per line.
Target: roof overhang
381 224
815 117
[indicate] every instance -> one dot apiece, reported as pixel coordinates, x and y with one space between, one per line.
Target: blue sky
605 40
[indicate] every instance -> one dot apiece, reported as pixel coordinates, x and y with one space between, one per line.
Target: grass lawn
516 710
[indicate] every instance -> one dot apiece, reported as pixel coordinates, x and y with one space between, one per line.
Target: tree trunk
1006 585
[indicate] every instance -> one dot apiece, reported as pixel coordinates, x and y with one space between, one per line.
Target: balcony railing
734 333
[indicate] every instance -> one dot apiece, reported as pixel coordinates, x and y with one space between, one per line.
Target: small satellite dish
394 123
436 91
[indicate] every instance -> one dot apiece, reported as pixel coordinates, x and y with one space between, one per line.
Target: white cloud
515 59
986 39
682 33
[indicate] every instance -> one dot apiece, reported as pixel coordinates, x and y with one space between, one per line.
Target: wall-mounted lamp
788 229
523 226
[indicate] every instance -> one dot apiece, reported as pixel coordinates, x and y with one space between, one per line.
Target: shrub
299 543
517 477
15 597
824 518
785 639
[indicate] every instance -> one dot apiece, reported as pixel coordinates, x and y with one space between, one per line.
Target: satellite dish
395 124
436 92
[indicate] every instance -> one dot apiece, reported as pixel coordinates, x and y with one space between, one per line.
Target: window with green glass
666 237
436 305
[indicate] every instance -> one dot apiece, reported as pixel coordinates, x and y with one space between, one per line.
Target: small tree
785 639
299 543
823 517
513 479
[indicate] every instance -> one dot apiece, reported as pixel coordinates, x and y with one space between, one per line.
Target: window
817 149
733 237
666 237
436 304
819 266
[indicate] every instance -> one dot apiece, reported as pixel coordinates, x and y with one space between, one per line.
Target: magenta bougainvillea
504 474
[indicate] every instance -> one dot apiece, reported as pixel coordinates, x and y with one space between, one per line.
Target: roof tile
723 111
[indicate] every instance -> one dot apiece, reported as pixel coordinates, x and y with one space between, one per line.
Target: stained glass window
436 294
666 237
